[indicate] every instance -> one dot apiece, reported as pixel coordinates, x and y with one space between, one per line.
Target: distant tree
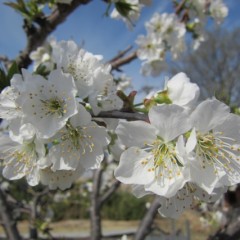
215 66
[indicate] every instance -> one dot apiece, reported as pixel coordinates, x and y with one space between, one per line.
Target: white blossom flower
48 104
43 55
92 78
179 91
184 198
80 142
218 10
214 142
164 25
83 66
150 47
21 159
152 159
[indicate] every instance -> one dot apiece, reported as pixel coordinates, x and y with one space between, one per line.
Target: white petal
131 169
192 141
98 134
205 177
173 207
10 172
209 114
169 188
181 91
92 159
33 177
136 133
231 127
139 191
170 121
82 118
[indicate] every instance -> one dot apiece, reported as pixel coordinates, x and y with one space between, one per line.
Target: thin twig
109 192
120 54
122 115
146 223
123 61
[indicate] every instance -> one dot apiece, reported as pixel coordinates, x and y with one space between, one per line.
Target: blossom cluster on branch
167 32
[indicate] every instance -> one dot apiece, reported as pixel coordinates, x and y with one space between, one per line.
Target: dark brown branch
109 192
123 61
120 54
146 224
37 36
8 222
122 115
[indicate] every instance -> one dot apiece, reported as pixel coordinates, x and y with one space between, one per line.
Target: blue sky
101 35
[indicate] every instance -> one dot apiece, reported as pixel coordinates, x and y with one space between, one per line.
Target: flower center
165 159
55 106
77 139
22 159
215 149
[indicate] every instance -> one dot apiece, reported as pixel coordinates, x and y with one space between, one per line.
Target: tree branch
120 55
123 61
122 115
37 36
109 192
146 224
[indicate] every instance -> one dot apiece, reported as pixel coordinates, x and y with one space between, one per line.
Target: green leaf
12 70
3 79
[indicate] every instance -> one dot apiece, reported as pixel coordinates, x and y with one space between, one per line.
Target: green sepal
162 97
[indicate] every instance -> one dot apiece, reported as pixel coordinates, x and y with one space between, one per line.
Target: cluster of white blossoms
52 137
198 12
164 32
167 33
184 152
